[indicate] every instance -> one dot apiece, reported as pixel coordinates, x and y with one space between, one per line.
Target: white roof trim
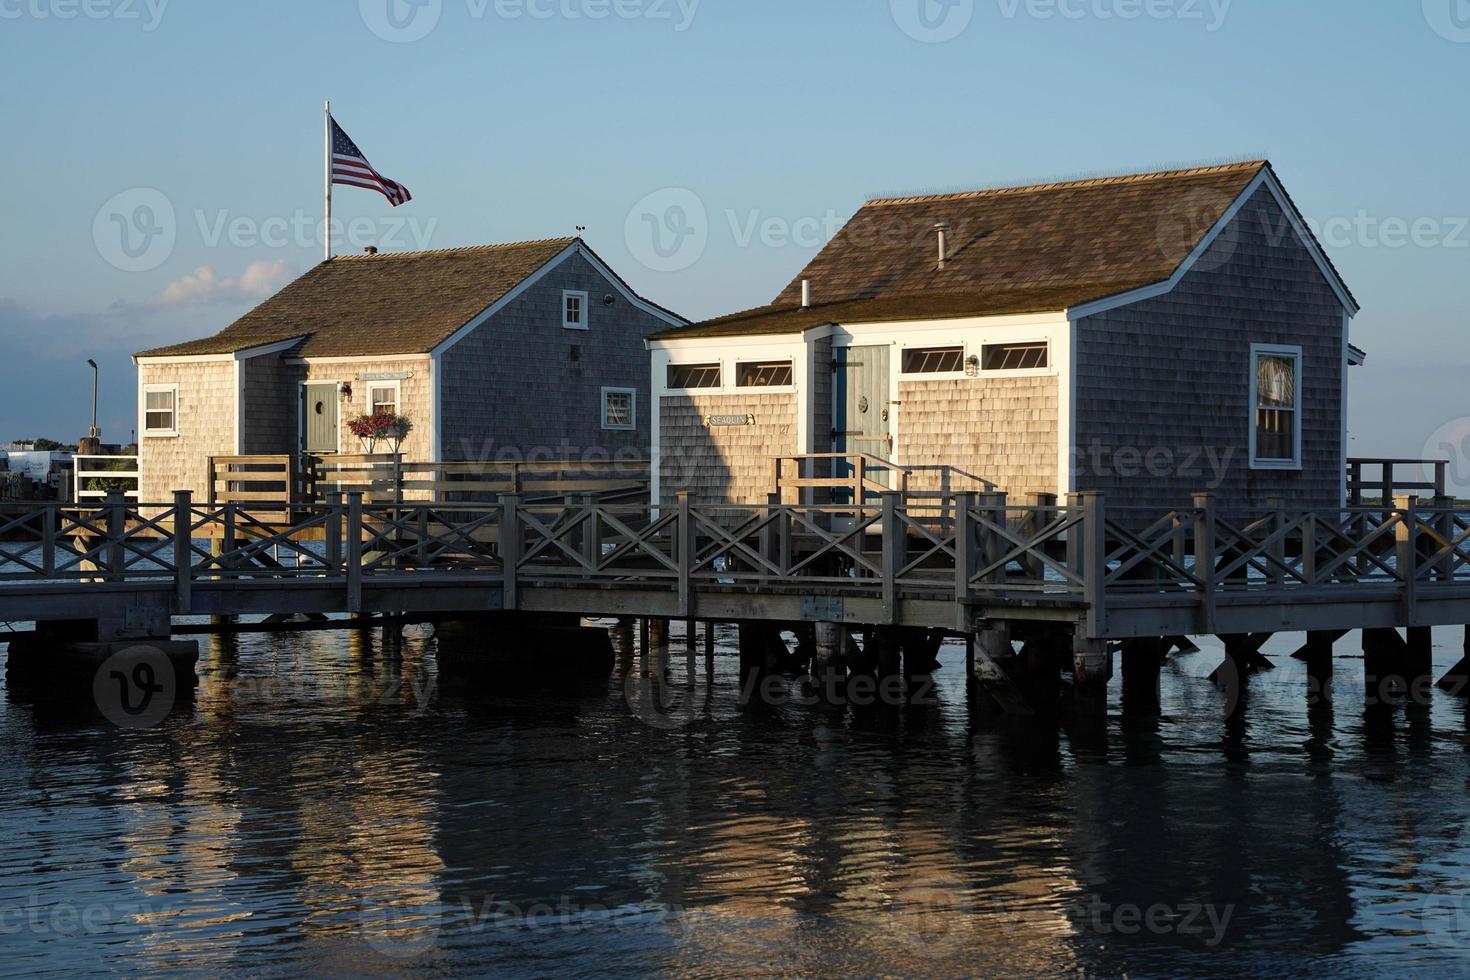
672 319
504 301
575 248
1356 356
239 355
1266 178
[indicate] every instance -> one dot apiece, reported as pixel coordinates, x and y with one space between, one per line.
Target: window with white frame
161 410
694 376
933 360
1014 357
763 374
1276 407
383 397
573 310
619 408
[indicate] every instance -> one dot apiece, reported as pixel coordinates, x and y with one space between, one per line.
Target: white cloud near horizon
205 286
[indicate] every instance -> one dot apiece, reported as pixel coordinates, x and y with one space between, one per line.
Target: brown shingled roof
368 305
1044 247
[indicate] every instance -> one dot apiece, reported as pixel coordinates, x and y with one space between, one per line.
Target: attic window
694 376
1015 357
765 374
934 360
573 310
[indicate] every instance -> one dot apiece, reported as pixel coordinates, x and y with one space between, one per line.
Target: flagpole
328 178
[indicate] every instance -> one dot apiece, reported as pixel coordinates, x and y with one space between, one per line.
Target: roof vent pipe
371 250
943 229
806 294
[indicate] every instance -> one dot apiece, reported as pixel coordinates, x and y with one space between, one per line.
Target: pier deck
1114 574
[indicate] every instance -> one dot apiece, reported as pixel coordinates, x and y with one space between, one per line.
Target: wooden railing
1382 480
391 479
862 477
85 469
1102 561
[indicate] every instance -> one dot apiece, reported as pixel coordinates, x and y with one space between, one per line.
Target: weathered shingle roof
368 305
1038 248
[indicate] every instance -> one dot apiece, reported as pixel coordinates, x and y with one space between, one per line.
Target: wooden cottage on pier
1149 336
532 349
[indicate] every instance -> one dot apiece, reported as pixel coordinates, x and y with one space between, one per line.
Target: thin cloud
206 287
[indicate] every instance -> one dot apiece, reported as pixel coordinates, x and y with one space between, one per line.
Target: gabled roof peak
1240 167
459 250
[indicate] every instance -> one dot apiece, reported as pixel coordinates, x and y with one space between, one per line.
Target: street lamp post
93 432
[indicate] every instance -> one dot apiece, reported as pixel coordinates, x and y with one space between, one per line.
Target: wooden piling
1143 660
1457 681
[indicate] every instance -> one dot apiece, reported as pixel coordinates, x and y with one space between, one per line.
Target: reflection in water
325 805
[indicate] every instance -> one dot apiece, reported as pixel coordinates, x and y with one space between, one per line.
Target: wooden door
319 407
862 409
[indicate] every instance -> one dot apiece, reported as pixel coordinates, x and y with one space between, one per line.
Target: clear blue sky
515 119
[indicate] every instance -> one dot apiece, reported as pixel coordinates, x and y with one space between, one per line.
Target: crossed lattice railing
980 549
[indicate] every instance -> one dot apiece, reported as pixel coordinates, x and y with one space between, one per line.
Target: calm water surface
322 808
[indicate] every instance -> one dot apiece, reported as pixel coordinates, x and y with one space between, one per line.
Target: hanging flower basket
385 426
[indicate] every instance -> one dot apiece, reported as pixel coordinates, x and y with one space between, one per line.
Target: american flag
350 167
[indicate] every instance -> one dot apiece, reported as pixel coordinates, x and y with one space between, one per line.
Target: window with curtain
1277 388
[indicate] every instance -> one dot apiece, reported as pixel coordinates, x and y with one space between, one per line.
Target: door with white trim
862 410
319 422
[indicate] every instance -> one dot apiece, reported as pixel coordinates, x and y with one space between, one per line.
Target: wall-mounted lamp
972 366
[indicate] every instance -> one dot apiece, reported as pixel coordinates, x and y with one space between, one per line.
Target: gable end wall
1163 386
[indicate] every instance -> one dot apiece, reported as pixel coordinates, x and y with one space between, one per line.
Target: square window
161 410
573 310
619 408
1276 396
383 399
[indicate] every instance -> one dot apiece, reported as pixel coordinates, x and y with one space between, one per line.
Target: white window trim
397 387
933 375
719 362
1276 350
633 423
161 433
1042 372
740 362
569 294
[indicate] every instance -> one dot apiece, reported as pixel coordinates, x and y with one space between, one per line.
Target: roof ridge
1110 181
459 248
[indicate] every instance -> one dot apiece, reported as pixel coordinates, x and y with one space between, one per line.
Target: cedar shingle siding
1002 430
522 384
723 463
1172 375
206 423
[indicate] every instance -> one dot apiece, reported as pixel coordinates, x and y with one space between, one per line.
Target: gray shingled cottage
1148 336
490 352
